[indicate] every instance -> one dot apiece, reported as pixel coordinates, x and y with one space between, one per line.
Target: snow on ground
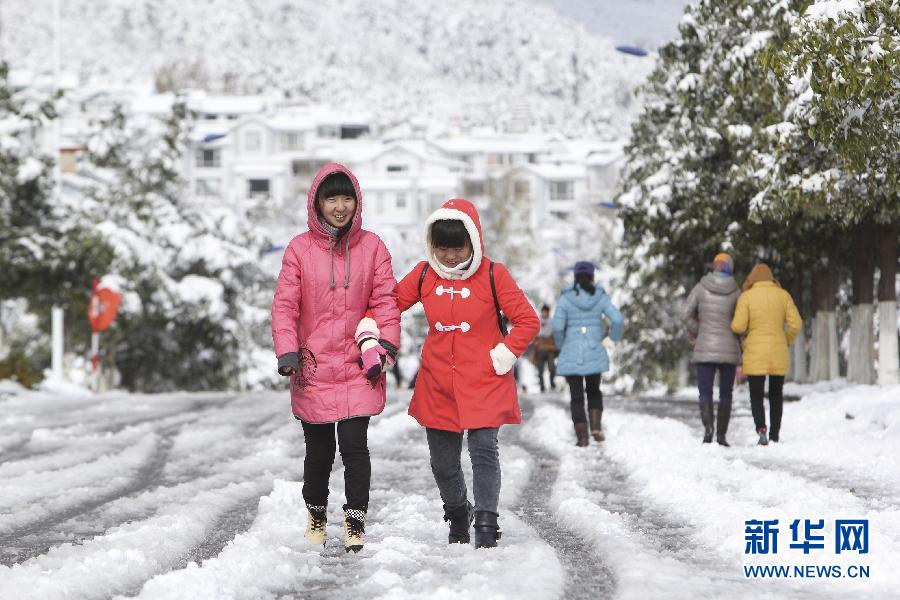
122 494
688 524
197 495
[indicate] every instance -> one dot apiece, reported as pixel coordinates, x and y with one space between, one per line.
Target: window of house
258 188
291 141
521 188
305 168
350 132
562 190
208 187
327 131
473 188
494 160
397 168
401 200
252 141
210 116
207 157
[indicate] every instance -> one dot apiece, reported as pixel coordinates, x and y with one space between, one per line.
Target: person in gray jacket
708 313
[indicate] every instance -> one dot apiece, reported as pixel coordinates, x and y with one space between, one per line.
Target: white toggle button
441 290
464 327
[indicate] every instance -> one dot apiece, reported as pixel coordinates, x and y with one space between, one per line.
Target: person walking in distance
580 329
767 316
708 313
545 350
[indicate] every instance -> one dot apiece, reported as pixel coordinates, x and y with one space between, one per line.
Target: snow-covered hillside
466 62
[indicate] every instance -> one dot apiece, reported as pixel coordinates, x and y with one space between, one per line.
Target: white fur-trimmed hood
460 210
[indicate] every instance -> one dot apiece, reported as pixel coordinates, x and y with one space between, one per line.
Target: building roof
231 105
501 143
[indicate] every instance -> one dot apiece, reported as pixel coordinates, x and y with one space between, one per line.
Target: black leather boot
722 423
487 532
706 416
460 519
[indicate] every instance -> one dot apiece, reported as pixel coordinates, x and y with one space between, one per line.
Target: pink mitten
373 359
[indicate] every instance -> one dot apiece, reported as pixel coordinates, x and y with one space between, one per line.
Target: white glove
502 359
608 343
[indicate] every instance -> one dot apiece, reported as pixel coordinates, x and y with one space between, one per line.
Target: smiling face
337 210
452 257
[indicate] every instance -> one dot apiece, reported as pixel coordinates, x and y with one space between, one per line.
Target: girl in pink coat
331 277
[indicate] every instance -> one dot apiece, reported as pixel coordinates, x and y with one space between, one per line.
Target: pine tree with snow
839 78
46 255
689 179
193 293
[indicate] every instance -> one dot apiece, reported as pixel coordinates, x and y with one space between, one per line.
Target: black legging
352 438
776 400
577 385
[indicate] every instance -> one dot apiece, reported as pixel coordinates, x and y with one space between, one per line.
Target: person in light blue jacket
579 329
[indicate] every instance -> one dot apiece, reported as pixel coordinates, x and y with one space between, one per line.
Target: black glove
288 364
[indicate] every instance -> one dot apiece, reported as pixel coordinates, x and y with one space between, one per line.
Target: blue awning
633 50
211 137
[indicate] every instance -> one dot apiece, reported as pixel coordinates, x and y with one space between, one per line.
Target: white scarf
453 273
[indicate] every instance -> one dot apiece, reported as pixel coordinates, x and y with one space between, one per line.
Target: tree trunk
888 356
824 363
861 359
798 368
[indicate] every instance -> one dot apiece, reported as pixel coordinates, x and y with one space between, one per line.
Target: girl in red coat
465 381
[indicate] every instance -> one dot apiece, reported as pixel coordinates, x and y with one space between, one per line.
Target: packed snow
198 495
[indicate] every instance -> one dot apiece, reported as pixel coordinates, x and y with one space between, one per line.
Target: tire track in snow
587 575
41 535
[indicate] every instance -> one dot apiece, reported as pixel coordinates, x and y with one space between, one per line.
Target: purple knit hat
584 267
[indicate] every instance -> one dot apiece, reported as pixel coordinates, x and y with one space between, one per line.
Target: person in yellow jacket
766 314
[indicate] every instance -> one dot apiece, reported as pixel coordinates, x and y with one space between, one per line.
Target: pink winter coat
325 287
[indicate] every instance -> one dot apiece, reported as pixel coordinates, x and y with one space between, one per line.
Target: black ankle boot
460 519
487 532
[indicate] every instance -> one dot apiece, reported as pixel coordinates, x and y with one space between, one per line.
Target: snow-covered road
197 496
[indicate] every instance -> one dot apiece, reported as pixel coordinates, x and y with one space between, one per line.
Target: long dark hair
584 281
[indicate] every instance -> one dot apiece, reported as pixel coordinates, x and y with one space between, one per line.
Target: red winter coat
457 387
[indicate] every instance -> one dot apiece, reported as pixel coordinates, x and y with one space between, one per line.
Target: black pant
352 438
577 385
776 400
545 358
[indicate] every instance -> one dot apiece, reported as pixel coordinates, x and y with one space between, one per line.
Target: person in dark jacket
708 313
579 328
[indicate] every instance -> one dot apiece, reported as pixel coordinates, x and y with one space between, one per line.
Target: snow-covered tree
45 254
193 314
689 181
838 150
